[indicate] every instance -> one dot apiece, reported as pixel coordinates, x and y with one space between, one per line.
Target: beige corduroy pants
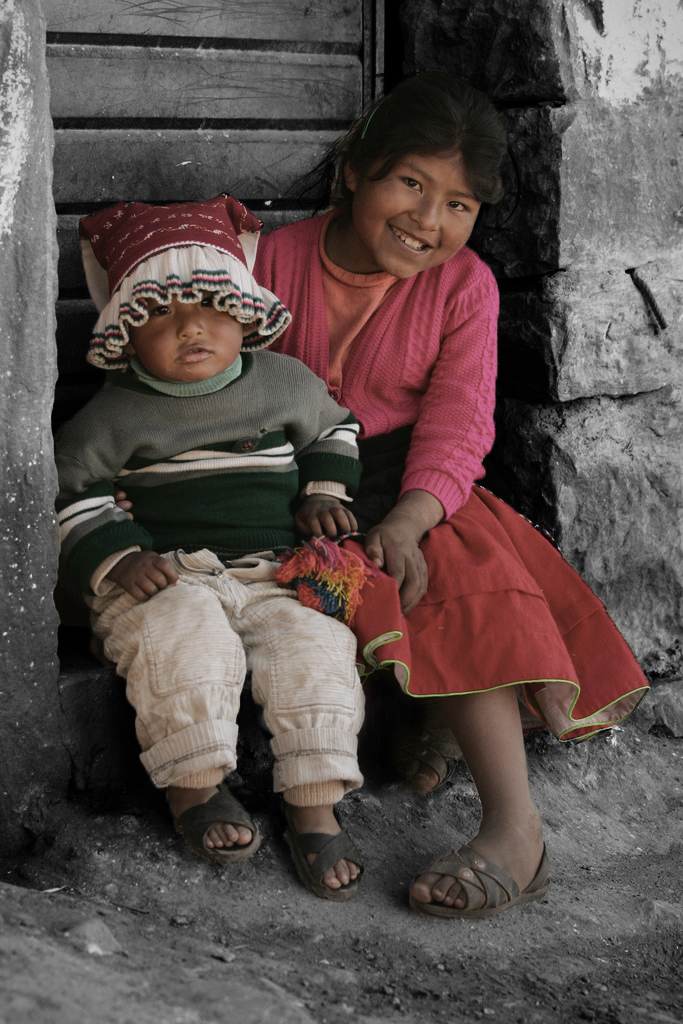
185 653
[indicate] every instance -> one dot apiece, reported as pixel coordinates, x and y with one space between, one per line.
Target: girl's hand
123 503
143 574
393 545
395 548
320 515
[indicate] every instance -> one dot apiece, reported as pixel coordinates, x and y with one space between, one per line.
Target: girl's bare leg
488 728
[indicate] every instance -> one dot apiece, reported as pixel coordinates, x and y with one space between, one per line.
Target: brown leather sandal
432 744
484 883
328 850
194 823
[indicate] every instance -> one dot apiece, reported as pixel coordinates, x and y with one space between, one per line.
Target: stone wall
34 766
588 250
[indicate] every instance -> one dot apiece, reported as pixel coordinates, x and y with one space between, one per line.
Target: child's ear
351 177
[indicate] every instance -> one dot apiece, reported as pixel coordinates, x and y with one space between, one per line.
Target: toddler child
215 442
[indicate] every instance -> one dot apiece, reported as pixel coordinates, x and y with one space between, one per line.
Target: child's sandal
329 850
195 823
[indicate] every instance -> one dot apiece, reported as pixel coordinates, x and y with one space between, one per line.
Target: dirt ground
110 919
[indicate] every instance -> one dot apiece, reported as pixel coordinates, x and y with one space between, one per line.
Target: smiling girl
398 317
400 234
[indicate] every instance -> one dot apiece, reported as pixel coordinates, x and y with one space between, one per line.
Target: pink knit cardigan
426 357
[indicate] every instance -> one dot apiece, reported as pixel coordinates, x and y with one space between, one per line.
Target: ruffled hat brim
186 273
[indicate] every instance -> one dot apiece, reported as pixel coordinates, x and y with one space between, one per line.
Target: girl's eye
456 205
159 311
207 300
411 183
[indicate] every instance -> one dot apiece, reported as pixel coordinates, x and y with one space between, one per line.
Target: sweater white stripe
227 462
347 431
81 506
338 436
66 528
201 454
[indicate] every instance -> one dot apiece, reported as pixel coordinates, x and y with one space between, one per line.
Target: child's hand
143 574
320 515
123 503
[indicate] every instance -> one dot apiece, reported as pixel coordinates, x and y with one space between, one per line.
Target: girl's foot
222 834
515 846
426 752
322 820
424 779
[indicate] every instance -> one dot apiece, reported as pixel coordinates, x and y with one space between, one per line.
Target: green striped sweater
220 471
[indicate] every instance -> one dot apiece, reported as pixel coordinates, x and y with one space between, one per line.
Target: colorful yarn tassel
326 577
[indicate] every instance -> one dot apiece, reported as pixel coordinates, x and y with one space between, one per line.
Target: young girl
398 318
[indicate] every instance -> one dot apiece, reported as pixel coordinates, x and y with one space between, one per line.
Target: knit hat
133 252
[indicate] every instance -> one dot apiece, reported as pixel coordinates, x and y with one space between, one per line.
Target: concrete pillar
590 264
34 764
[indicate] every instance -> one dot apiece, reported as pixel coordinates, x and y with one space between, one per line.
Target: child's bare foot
515 846
221 834
322 819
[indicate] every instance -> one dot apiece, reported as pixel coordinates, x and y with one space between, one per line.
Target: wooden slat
373 50
71 273
130 81
335 21
75 321
70 265
109 166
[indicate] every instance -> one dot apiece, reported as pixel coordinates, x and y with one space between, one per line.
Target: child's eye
159 311
456 205
411 183
207 300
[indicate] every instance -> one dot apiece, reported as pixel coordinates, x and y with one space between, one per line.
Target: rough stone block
590 184
92 936
591 331
667 707
604 476
553 50
621 181
510 50
520 236
100 731
35 762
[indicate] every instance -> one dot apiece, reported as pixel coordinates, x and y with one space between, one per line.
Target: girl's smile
186 342
416 217
413 243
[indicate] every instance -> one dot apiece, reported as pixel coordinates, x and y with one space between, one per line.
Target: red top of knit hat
126 235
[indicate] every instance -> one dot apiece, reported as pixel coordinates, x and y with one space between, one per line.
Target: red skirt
503 608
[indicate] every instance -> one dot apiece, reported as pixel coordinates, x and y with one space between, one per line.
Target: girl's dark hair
431 113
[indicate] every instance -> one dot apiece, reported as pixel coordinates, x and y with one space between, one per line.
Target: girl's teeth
412 243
